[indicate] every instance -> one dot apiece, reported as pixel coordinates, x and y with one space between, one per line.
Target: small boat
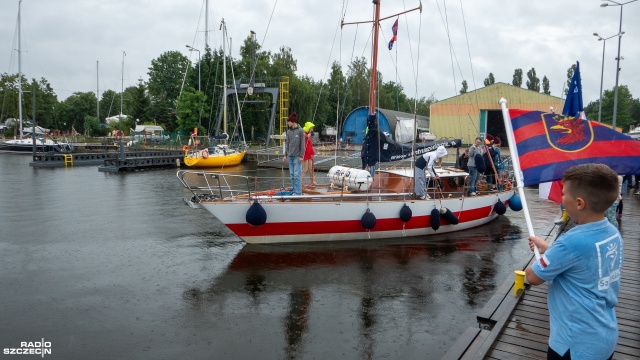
197 153
634 132
25 144
200 154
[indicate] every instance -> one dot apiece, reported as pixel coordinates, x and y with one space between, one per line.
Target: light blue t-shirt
583 269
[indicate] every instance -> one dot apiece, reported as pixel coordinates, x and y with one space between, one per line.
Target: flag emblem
567 133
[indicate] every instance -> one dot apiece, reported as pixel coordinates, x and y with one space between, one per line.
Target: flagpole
516 170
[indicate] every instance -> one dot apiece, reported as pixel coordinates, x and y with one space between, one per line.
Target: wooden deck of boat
517 327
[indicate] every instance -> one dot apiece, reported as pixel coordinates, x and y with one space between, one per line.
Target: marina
115 266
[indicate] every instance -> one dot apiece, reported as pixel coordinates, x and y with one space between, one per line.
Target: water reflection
397 288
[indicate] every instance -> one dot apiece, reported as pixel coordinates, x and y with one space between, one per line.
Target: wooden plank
462 344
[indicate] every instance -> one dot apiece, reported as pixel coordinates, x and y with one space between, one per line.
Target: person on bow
294 152
307 164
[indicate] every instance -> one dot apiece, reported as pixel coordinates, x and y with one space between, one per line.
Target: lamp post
604 42
191 48
615 97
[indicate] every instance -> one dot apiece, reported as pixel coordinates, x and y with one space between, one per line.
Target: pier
517 327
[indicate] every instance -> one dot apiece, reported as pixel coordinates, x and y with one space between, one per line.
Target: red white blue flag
548 144
394 28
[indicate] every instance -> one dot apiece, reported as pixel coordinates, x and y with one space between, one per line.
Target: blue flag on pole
573 104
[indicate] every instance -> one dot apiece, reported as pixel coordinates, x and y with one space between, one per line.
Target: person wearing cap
294 152
307 164
427 161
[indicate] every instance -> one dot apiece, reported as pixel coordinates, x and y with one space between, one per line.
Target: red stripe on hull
348 226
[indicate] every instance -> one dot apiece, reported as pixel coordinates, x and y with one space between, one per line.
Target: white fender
353 179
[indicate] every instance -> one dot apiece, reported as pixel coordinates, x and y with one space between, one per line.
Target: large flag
573 107
394 28
573 104
548 144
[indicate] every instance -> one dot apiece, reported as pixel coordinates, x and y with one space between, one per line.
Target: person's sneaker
423 197
638 193
494 189
473 193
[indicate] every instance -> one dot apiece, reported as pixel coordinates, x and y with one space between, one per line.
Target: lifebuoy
119 134
205 153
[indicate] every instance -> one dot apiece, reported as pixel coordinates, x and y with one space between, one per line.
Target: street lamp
604 42
615 97
191 48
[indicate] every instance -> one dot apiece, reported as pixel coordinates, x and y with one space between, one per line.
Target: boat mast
206 25
97 90
223 27
19 70
374 60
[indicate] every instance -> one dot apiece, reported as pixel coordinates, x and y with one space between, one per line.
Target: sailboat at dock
204 152
352 204
35 143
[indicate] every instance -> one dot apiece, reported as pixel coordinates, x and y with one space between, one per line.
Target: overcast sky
63 39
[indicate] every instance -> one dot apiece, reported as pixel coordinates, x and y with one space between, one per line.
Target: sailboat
201 152
352 205
24 144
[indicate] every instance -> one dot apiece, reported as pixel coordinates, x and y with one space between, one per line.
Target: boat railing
209 185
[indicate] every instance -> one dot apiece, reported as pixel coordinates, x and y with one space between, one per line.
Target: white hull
308 221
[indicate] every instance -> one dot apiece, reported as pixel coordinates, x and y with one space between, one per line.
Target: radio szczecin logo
30 348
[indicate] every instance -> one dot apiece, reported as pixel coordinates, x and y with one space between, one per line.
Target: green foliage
165 81
517 78
490 80
546 87
72 110
628 108
190 107
93 126
533 83
465 87
570 72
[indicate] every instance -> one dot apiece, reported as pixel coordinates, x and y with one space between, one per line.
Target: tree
358 82
533 83
165 81
627 107
74 109
139 103
570 72
465 87
545 86
489 80
188 110
517 78
283 63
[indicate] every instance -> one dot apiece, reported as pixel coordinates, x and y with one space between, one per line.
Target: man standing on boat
294 147
426 161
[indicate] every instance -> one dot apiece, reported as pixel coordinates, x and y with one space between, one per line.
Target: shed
355 124
478 112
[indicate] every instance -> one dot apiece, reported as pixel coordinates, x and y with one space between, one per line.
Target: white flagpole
516 169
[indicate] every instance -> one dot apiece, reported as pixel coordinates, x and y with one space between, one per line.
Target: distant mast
206 25
19 70
223 27
98 90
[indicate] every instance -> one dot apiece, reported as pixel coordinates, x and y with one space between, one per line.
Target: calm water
114 266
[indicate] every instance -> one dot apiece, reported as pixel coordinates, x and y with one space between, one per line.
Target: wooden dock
517 327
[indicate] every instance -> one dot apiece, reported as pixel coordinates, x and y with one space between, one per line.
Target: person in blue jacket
583 268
